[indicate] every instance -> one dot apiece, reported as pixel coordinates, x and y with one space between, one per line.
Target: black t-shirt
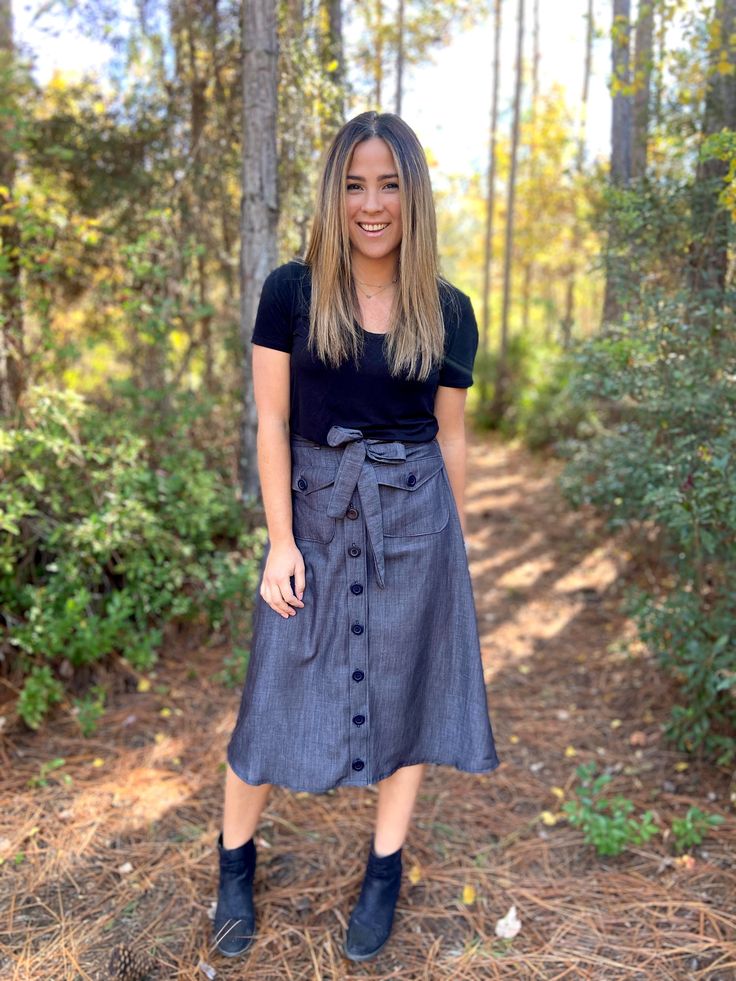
363 396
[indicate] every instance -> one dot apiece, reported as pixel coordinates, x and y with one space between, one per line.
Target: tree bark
259 205
712 223
500 400
399 56
569 314
11 302
491 192
643 58
620 172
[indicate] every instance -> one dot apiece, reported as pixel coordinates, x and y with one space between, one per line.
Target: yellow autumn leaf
415 874
144 684
159 737
570 751
513 739
98 761
558 792
616 723
468 894
165 712
548 818
524 668
681 765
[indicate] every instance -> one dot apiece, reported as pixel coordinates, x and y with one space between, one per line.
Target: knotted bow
355 470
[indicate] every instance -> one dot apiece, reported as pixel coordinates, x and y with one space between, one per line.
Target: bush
660 454
101 544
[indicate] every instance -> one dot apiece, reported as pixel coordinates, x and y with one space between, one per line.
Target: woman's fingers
277 592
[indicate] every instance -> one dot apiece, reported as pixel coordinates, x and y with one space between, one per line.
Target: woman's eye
390 184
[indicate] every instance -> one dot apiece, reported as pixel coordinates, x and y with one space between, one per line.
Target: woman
365 662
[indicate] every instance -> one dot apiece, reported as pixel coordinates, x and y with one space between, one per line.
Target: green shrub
606 824
690 830
103 539
658 456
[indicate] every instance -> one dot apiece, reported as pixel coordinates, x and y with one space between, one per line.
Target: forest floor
118 843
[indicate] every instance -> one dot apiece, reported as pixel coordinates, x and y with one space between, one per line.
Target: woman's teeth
373 229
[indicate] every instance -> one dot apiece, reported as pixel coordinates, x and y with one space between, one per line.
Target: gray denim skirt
381 667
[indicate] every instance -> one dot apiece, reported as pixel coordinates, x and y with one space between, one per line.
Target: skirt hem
353 782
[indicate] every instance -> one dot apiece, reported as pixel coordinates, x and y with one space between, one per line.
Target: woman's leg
243 805
397 795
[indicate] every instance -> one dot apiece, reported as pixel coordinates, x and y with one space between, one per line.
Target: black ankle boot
371 920
234 926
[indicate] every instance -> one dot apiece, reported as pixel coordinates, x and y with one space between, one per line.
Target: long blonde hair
416 333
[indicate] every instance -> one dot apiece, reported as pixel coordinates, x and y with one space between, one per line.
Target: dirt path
118 846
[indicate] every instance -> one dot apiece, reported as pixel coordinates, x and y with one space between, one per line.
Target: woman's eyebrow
354 177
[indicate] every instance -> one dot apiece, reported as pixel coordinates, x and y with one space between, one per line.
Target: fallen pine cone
128 965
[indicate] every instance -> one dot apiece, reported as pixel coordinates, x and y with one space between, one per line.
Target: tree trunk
621 82
11 303
491 195
577 234
500 400
259 205
399 56
620 174
712 222
643 58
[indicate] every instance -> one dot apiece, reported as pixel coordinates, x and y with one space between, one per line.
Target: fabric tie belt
355 470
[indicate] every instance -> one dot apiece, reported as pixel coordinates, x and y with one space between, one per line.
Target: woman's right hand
283 562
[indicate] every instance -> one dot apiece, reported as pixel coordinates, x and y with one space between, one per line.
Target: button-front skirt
381 667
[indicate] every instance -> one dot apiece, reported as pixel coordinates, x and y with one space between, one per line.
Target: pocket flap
309 479
409 474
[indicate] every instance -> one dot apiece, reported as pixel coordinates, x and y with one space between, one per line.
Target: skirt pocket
311 487
413 497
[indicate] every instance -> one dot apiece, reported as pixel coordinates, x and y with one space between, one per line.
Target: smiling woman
365 661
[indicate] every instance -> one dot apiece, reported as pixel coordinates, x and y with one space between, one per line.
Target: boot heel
234 924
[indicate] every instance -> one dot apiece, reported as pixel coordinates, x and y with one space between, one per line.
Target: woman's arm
271 392
449 410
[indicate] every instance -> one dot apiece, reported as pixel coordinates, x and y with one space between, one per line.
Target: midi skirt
381 668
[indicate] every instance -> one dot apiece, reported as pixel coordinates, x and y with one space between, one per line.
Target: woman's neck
377 272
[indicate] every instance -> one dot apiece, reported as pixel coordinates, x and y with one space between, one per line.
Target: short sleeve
457 368
273 324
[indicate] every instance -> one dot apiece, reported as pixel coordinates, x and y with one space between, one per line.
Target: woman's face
372 198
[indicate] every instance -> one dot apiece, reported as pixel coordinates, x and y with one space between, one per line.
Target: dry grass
145 795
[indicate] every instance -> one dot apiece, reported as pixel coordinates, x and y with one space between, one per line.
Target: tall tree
621 92
491 188
399 55
527 285
569 314
260 202
709 258
404 35
500 399
643 61
11 307
620 171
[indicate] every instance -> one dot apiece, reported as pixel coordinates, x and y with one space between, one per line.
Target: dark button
357 628
359 720
352 512
411 479
356 588
358 675
354 550
302 484
358 764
